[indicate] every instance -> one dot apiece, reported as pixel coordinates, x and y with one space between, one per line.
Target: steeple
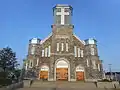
62 14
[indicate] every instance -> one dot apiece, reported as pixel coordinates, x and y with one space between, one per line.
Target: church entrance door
62 71
44 72
79 73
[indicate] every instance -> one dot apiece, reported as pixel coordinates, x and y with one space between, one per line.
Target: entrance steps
38 88
65 85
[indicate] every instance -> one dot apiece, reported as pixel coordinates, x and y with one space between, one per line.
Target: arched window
57 46
81 53
46 52
43 53
75 51
49 51
67 47
78 52
62 46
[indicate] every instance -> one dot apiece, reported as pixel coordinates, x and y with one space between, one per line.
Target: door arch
62 70
80 73
44 72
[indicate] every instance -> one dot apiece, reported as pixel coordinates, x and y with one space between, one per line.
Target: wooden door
44 75
80 76
62 74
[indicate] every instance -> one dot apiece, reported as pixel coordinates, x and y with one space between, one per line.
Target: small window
43 53
57 46
66 10
49 51
58 10
78 52
62 46
67 47
75 51
46 51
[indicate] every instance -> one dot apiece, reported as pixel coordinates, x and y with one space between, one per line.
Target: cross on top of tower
62 14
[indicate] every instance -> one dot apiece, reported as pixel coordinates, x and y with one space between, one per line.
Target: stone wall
14 86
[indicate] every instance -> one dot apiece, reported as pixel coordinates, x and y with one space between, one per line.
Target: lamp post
110 71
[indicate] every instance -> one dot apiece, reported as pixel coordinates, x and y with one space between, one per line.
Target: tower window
58 10
66 10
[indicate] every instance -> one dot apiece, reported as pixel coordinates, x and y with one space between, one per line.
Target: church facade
62 55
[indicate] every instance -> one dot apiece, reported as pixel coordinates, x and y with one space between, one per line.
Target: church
62 56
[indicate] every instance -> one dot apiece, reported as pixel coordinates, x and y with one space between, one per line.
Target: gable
44 40
77 38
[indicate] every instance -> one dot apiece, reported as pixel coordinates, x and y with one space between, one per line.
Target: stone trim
72 79
91 80
51 79
62 54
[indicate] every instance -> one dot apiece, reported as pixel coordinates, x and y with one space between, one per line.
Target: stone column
72 71
51 70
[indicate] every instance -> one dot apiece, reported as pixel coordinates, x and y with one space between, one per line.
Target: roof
42 41
79 39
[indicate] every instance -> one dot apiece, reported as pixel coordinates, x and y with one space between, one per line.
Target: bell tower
62 14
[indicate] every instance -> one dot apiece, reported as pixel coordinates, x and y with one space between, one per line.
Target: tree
8 60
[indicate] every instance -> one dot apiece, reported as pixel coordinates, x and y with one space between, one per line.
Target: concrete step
40 84
36 88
